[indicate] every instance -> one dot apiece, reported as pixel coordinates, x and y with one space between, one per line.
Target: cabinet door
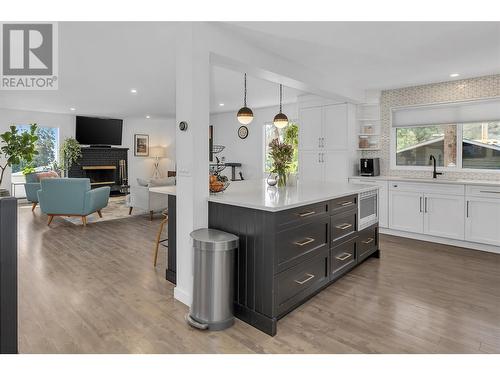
335 127
383 204
482 222
406 211
336 166
310 120
444 215
311 167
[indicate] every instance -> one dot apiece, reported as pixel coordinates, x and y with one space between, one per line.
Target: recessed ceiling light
453 75
72 109
148 116
133 91
221 104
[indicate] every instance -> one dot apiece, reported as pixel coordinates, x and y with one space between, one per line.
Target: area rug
116 209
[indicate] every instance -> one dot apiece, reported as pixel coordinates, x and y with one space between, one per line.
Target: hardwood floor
94 290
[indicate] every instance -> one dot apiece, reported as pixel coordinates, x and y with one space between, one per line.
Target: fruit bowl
218 187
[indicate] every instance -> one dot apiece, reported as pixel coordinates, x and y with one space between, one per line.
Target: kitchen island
294 242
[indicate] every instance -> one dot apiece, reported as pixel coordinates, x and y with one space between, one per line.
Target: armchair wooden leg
51 217
151 215
130 210
99 213
84 221
33 206
158 239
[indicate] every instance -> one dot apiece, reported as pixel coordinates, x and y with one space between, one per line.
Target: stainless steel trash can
213 288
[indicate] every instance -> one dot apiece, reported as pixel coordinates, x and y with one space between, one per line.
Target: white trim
441 240
182 296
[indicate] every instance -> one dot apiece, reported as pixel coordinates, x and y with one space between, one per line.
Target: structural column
192 106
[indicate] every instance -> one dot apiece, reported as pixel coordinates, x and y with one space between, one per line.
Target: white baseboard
182 296
445 241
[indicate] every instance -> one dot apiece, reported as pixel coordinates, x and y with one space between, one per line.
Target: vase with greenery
69 153
281 155
17 147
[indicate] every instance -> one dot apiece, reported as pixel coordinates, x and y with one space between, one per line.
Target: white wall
161 133
249 151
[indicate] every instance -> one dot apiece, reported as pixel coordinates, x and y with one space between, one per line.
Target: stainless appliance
369 167
368 209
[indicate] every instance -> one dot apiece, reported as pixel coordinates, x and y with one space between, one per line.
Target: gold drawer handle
345 204
309 278
369 240
305 241
343 226
343 256
308 213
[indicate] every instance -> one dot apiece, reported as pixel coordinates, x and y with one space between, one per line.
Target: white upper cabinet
444 215
323 128
335 127
310 132
335 164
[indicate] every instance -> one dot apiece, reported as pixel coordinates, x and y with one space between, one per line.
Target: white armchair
142 199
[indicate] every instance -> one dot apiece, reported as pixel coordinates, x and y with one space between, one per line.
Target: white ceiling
101 62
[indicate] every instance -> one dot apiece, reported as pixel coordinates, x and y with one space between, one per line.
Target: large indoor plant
16 147
281 155
69 153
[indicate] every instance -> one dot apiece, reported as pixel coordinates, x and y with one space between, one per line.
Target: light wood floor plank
93 290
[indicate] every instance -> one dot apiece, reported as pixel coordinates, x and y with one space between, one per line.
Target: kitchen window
288 134
471 145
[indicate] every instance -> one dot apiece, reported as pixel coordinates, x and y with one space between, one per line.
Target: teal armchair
31 187
71 197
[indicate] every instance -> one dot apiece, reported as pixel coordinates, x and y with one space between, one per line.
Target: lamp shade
280 120
245 116
158 152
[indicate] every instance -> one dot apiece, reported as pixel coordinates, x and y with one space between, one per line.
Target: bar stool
158 236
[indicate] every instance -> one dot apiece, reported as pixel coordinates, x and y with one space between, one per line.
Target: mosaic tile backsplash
473 88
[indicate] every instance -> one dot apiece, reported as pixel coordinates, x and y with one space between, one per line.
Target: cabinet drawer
299 282
343 224
484 191
344 204
302 214
296 243
343 257
367 242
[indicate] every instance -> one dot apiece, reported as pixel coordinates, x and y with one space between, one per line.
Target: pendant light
245 114
280 120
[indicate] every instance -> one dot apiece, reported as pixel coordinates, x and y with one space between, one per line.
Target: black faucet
434 173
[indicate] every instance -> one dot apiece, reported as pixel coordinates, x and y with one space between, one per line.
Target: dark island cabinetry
287 256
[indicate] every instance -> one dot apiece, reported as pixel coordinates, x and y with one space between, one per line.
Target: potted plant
70 152
282 156
15 147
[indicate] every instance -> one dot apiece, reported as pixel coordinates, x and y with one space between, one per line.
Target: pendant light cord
281 97
245 96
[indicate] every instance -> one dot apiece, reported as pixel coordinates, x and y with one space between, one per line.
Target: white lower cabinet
482 223
311 166
405 211
444 215
435 214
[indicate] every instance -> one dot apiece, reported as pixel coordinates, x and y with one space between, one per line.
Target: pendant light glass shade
280 120
245 114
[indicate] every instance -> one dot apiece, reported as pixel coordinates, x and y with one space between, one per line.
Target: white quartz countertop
257 194
439 180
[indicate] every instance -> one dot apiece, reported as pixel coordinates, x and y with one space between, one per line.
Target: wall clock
242 132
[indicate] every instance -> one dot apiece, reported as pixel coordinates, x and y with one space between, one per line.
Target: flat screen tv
96 131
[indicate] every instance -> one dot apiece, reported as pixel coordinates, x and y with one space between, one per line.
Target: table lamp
157 153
